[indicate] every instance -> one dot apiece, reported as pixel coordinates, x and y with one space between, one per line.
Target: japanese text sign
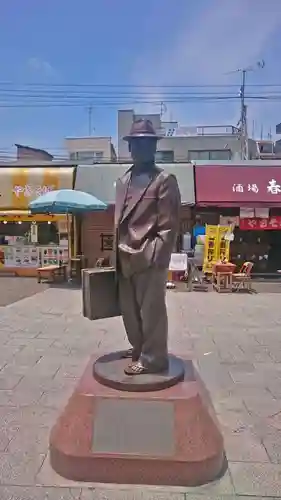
19 186
238 184
257 224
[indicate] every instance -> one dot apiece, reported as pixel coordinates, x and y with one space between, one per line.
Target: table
52 272
222 281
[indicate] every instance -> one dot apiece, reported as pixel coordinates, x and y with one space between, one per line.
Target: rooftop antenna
90 116
270 134
163 109
253 129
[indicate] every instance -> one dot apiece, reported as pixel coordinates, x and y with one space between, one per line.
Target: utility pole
243 120
242 124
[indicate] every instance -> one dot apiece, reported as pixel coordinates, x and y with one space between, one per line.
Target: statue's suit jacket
146 227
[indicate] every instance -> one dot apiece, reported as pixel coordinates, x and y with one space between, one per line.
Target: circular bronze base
109 370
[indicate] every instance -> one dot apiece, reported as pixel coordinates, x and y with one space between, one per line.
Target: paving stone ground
13 289
236 340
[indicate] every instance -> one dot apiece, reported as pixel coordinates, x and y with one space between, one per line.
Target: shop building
97 229
30 241
248 195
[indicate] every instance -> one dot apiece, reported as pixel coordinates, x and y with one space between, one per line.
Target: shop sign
19 186
258 224
272 188
243 185
29 191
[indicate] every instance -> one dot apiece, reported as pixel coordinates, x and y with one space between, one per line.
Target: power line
133 86
33 103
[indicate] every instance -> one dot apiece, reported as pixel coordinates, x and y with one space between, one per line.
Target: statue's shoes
137 368
129 354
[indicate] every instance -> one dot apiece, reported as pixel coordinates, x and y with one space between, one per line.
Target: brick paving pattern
13 289
236 342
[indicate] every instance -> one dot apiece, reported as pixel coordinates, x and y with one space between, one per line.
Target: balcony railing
210 130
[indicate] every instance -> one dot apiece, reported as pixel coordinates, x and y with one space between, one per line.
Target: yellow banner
19 186
217 248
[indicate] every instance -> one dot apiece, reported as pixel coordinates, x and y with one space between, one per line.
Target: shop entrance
274 252
263 248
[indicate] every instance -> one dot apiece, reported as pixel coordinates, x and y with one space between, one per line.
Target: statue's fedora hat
142 128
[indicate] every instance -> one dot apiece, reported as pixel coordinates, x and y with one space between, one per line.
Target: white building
182 143
90 149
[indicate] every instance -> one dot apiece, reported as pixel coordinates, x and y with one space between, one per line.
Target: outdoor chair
243 280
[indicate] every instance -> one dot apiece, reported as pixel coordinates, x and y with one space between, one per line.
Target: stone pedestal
168 436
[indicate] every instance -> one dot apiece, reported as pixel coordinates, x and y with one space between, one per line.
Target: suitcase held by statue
100 297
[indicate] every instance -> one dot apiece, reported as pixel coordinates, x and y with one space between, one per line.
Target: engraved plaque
134 427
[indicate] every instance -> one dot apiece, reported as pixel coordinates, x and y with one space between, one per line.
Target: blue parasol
66 201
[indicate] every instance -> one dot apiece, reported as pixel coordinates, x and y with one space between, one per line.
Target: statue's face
143 149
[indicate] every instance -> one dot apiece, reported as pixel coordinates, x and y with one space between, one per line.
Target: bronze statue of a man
147 214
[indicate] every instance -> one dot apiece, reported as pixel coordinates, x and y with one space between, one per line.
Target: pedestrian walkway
13 288
236 342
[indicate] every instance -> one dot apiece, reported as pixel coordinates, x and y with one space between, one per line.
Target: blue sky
151 42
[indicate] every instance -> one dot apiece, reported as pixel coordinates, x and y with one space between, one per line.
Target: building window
87 155
165 156
214 154
106 242
98 155
198 155
220 154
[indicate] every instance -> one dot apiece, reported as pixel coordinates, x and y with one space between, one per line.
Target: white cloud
226 36
41 67
223 37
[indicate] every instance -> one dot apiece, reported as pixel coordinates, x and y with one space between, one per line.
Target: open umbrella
66 201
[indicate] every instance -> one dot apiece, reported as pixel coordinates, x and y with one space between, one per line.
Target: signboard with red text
257 224
230 185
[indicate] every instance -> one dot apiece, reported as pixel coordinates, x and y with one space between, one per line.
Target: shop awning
26 216
99 180
238 186
19 186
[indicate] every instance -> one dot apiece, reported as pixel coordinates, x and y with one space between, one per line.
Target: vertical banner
217 246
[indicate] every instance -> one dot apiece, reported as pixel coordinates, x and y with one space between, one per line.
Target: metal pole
90 112
243 119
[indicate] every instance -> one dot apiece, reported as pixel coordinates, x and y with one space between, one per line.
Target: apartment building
90 149
183 143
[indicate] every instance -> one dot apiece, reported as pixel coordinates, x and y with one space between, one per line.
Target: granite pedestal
166 434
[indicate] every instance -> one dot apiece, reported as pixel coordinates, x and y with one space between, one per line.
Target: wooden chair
242 280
